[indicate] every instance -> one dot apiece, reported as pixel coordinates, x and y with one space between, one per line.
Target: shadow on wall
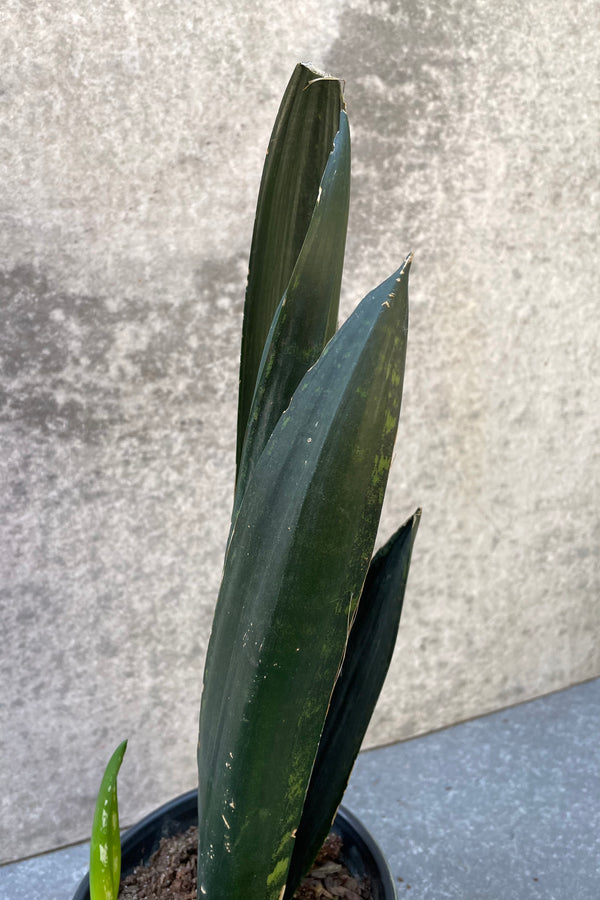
76 367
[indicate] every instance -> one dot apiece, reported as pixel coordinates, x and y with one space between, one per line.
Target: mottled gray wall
131 146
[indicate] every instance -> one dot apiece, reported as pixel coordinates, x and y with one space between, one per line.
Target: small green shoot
105 847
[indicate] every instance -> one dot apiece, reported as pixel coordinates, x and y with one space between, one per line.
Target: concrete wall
131 148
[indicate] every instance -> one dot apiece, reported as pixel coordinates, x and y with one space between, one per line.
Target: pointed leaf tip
105 845
299 147
306 318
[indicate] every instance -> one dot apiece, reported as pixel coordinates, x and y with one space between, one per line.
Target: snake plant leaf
294 569
366 662
307 314
300 143
105 847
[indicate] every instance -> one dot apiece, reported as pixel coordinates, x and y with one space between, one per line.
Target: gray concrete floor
504 807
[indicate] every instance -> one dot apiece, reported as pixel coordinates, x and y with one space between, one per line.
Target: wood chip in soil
171 874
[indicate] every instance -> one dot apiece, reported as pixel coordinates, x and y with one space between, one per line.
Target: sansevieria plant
306 619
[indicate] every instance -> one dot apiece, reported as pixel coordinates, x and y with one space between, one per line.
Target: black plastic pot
361 853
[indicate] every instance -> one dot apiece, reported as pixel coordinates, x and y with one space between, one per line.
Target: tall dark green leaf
307 315
300 143
294 569
366 662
